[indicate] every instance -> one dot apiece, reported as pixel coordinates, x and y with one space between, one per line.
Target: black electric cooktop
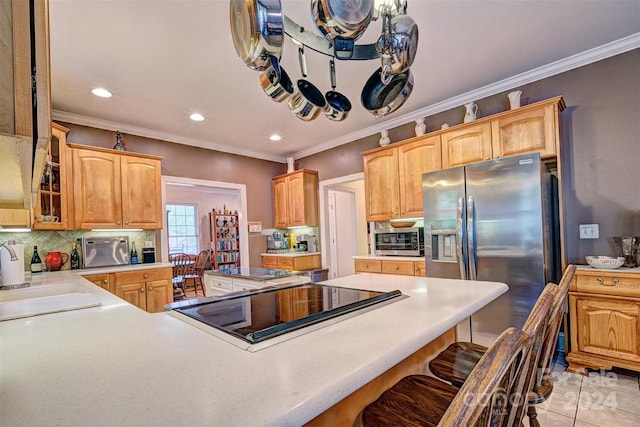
259 315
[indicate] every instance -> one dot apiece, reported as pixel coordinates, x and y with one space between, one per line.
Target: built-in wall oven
407 241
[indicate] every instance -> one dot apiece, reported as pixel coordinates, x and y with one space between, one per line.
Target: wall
600 146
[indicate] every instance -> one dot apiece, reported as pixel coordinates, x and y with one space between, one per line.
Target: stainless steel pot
276 83
338 105
383 99
404 41
257 29
342 22
307 101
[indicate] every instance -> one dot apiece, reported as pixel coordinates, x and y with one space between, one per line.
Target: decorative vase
55 261
444 126
421 127
514 98
384 138
290 164
471 111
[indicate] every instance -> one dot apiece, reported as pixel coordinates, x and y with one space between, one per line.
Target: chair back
181 264
201 262
495 393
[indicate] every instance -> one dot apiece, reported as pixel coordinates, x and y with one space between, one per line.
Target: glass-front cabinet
51 211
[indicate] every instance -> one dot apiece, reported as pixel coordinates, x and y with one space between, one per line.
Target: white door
342 232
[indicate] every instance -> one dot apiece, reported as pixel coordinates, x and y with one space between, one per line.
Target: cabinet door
527 131
141 193
403 268
159 293
133 293
280 202
306 262
608 327
303 199
101 280
269 261
470 144
381 185
414 159
96 189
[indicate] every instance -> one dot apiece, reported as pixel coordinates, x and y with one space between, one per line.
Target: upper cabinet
393 174
393 177
112 189
295 199
51 211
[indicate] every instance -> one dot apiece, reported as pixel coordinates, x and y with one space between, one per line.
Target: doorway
342 223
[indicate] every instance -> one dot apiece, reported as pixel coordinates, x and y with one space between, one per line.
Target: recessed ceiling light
196 117
101 92
275 137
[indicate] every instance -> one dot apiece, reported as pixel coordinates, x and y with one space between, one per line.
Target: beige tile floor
603 399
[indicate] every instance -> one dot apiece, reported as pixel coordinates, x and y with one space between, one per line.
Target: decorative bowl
604 261
402 224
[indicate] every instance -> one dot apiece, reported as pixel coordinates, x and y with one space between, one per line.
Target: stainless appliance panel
105 251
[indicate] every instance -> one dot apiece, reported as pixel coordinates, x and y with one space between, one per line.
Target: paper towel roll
12 271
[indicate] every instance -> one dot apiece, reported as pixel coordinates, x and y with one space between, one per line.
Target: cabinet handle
118 222
150 288
141 289
146 276
366 266
126 222
613 282
396 267
105 281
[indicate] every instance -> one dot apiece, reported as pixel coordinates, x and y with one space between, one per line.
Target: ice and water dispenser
444 240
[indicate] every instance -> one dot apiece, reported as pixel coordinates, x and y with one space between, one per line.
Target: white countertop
390 258
632 270
291 254
118 365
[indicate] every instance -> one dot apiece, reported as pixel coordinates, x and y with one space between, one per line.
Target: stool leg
533 416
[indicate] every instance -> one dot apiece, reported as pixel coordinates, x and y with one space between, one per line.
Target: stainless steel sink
44 299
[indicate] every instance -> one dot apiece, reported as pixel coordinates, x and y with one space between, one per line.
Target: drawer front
607 283
421 269
368 266
142 276
269 261
211 281
404 268
285 262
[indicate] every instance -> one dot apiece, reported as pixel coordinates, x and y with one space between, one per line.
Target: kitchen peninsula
118 365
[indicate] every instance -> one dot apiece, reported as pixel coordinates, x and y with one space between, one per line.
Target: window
182 229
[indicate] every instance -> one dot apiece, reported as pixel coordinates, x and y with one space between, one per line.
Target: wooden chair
181 264
456 362
493 395
195 273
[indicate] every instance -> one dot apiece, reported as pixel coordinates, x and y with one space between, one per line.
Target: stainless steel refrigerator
496 221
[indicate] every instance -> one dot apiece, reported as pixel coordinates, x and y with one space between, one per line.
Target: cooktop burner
259 315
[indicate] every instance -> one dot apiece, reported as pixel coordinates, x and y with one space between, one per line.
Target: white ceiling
164 59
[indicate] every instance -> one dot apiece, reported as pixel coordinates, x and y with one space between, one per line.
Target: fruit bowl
402 224
604 261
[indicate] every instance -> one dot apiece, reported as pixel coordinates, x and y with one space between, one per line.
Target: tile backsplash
62 241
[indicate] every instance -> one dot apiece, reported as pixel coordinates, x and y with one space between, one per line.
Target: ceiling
164 59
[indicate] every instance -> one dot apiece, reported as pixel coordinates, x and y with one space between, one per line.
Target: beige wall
600 143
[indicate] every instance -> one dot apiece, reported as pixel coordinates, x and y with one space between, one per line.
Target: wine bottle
75 258
134 253
36 262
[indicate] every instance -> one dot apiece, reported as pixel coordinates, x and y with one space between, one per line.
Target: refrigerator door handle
471 240
460 229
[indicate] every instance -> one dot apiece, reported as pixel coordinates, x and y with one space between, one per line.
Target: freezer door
443 195
505 227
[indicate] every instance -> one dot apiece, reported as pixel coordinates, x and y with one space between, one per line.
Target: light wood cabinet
295 199
466 144
393 177
115 190
301 262
604 318
402 268
102 280
52 210
149 289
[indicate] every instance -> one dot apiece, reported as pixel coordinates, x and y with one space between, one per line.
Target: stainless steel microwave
399 241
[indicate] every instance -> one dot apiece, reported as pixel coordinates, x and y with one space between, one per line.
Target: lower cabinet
102 280
215 285
403 268
604 315
281 262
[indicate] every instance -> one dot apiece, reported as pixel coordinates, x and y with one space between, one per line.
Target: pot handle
274 72
302 61
332 73
343 48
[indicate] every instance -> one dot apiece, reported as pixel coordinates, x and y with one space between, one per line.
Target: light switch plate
589 231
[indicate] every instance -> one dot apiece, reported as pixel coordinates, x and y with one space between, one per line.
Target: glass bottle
36 263
74 258
134 253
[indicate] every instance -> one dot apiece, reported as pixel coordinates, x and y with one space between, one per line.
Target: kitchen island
118 365
225 280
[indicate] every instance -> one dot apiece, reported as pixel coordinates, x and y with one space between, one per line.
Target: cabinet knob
126 222
146 276
118 222
105 281
366 266
150 288
141 289
602 282
396 267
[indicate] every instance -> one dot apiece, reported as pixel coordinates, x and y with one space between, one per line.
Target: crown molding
569 63
164 136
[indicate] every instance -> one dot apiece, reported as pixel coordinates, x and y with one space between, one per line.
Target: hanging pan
383 99
276 83
307 101
257 28
338 105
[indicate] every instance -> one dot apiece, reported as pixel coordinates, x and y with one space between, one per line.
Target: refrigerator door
506 240
443 196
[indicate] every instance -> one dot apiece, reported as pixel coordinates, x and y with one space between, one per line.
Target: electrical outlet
589 231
